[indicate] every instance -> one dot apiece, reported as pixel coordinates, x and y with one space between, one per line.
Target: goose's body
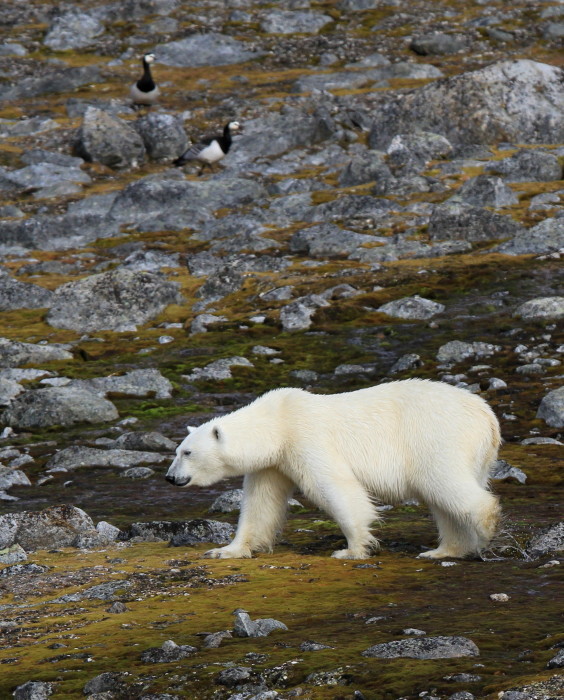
145 91
210 149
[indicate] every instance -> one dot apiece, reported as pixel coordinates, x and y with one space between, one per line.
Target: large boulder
163 135
210 49
457 221
117 300
72 30
424 648
43 408
109 140
20 295
517 101
53 527
551 408
180 202
14 354
546 237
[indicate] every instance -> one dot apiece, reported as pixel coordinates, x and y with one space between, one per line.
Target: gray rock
139 383
458 351
328 241
163 135
179 204
411 153
76 456
9 389
557 661
551 409
502 471
232 677
45 177
479 106
278 293
12 477
14 353
217 370
198 531
528 165
116 608
109 140
109 681
352 206
541 441
40 155
424 648
415 307
116 300
56 232
51 82
138 473
72 30
202 321
12 555
293 22
150 260
153 442
214 640
12 49
438 44
545 237
18 569
21 295
298 314
552 540
64 406
452 220
543 308
53 527
485 191
170 651
337 676
209 49
406 362
281 131
245 627
365 167
103 591
222 282
313 646
33 690
231 500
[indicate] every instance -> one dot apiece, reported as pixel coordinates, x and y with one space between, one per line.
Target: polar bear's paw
350 554
441 553
227 553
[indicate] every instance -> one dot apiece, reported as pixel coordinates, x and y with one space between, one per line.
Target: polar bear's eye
186 453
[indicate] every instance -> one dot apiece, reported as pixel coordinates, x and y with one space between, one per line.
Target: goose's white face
149 57
234 127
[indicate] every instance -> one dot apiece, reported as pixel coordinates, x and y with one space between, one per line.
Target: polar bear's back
395 434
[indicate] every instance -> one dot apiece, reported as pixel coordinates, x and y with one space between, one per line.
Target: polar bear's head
201 457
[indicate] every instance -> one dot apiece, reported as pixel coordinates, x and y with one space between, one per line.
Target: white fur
407 439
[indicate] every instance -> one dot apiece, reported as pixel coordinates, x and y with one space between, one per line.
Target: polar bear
405 439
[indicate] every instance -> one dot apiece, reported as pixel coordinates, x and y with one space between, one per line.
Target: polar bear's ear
190 428
216 433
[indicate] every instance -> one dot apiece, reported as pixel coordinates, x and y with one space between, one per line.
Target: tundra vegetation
392 209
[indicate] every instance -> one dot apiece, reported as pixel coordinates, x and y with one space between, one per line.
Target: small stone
499 597
412 631
313 646
116 608
557 661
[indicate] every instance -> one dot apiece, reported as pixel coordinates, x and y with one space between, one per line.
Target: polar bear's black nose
178 482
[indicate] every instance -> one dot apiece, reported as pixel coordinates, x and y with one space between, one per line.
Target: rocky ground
393 209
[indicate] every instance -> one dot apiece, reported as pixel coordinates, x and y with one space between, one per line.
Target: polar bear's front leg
263 514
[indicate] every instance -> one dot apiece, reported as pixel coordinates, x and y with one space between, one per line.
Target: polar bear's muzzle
178 482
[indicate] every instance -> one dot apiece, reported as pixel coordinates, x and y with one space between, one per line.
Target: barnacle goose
145 91
210 149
